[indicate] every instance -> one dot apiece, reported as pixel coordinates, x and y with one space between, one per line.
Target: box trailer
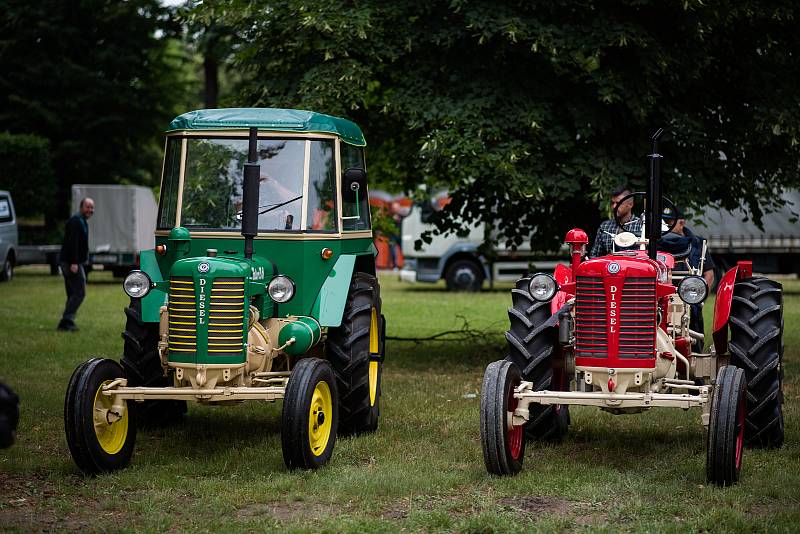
123 224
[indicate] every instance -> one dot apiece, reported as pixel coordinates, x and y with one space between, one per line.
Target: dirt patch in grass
26 504
535 506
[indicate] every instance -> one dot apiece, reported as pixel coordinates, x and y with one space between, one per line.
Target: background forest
524 110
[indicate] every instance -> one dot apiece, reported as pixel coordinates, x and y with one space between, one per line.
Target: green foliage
95 79
529 112
27 171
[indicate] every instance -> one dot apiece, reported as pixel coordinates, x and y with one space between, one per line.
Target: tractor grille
591 332
637 330
226 317
636 318
182 315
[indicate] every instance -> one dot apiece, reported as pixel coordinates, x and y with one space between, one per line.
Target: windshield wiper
270 207
276 206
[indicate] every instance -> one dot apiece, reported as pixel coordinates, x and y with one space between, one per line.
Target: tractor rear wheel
726 427
309 417
99 439
503 444
355 350
143 368
532 345
756 346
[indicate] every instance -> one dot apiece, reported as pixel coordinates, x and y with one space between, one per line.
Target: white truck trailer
123 224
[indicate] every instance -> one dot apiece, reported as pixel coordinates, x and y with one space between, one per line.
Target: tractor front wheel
143 368
756 346
100 438
532 346
726 427
503 443
310 415
355 349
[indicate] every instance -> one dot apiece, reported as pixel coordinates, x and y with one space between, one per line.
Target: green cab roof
287 120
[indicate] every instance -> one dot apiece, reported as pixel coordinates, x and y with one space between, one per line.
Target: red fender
563 276
722 306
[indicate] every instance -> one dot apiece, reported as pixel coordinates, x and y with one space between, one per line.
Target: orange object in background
384 259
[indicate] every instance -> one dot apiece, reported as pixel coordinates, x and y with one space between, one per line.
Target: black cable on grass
464 334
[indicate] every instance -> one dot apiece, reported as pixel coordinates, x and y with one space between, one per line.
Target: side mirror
354 184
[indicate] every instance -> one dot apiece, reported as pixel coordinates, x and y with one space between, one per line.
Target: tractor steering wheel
668 211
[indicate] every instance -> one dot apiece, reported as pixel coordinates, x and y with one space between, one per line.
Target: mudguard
152 302
563 276
722 305
329 306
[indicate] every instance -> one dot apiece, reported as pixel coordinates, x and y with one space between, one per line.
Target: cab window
355 216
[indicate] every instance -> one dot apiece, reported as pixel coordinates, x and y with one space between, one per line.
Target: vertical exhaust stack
252 174
654 208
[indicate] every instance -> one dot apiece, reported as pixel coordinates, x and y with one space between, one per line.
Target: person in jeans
74 254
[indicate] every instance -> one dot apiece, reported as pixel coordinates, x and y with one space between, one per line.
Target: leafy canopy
529 112
97 80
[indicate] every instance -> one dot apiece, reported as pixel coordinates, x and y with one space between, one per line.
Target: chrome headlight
693 290
137 284
542 287
281 288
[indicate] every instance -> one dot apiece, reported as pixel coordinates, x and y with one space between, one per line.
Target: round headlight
137 284
542 287
281 288
693 290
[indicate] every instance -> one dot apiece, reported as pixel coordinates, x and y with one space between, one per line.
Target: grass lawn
222 469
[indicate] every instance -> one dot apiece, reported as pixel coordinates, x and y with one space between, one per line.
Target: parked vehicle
261 286
732 237
123 224
613 332
9 237
461 262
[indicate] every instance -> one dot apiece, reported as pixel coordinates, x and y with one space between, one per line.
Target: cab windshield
212 184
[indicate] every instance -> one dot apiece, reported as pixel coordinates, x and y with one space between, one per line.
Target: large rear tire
756 346
532 345
98 441
309 417
142 366
503 445
726 427
355 350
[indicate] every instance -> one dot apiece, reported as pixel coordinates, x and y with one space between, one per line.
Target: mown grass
222 470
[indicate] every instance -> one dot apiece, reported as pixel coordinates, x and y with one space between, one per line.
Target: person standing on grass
74 254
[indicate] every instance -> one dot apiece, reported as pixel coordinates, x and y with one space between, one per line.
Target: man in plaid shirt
604 240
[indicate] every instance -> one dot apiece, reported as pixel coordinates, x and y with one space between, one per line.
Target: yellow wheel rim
374 332
373 382
320 418
110 435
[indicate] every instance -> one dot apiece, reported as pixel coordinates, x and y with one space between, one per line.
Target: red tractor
613 332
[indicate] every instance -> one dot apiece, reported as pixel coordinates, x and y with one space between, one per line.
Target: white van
9 237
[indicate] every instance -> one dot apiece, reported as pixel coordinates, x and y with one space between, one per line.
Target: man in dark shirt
604 240
74 254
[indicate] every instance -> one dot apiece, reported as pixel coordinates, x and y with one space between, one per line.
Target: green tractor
261 285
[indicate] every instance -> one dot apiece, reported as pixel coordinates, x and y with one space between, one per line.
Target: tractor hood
254 270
